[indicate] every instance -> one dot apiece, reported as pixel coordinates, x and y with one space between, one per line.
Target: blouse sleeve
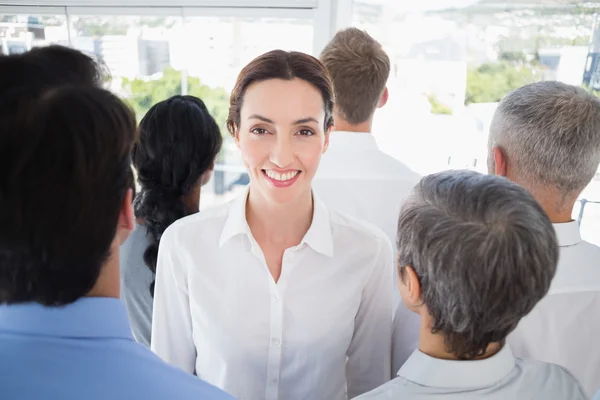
369 354
171 319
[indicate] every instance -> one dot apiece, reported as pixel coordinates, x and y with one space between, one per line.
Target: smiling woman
245 293
280 147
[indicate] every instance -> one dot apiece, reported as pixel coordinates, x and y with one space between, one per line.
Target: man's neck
558 207
434 345
559 212
342 125
108 283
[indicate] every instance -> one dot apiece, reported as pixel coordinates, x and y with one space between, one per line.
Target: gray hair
550 131
485 253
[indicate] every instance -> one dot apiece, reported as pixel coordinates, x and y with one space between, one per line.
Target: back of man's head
484 253
550 134
65 163
46 67
359 68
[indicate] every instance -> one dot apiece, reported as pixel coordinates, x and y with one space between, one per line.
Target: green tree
437 107
99 28
142 94
490 82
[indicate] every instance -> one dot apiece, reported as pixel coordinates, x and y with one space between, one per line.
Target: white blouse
323 331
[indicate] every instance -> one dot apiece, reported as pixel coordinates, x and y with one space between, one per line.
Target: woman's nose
282 154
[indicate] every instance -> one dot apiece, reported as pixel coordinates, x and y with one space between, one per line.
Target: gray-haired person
546 137
475 254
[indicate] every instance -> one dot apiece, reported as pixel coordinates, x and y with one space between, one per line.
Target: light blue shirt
597 396
85 351
499 377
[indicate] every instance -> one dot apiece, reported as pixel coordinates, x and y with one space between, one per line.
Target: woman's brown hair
287 65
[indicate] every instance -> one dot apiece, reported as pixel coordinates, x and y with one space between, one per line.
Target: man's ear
126 217
500 162
413 285
384 98
410 288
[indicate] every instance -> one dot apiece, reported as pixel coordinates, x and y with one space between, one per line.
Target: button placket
275 348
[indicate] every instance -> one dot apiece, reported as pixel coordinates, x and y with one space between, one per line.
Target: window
453 60
177 51
590 221
19 33
139 51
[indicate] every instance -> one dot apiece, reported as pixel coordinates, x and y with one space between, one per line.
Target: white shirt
564 327
357 178
500 377
323 329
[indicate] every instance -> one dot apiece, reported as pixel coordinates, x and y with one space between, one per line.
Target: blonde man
355 176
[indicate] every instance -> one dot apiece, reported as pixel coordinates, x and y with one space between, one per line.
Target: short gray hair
550 131
484 251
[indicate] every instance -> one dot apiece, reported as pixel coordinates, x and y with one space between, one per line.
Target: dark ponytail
179 141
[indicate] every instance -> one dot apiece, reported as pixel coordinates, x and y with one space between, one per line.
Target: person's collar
236 223
433 372
567 233
318 237
344 140
88 317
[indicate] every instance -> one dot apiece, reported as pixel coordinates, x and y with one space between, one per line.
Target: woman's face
281 137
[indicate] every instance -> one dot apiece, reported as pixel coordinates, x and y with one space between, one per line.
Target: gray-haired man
546 138
475 254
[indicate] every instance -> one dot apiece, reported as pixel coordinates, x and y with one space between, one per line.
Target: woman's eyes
259 131
301 132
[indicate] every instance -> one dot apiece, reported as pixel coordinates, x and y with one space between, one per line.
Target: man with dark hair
65 208
355 176
44 67
475 254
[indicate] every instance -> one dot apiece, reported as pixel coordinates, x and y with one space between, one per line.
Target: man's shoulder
394 389
578 269
356 230
93 369
151 378
181 385
590 248
375 164
553 380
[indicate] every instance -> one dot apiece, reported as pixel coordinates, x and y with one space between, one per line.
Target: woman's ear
326 143
236 135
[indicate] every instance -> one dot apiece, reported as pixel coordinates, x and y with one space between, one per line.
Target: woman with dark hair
274 295
174 157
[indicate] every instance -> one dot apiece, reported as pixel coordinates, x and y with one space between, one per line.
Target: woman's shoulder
206 223
136 242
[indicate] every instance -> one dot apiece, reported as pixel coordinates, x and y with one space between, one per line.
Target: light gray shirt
135 285
499 377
